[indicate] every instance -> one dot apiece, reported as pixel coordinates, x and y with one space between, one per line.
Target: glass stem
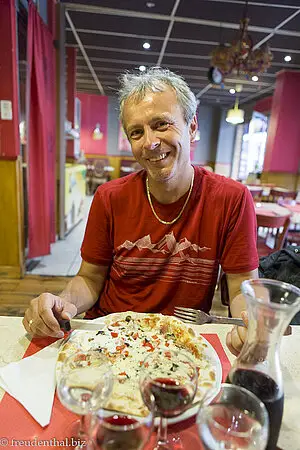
83 427
162 435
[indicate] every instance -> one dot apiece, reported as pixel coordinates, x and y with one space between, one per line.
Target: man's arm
84 289
236 298
80 294
236 337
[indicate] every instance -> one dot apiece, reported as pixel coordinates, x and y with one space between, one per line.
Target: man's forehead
164 103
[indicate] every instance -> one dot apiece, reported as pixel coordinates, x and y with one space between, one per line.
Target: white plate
216 363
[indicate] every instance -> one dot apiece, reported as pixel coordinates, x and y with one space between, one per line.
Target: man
155 239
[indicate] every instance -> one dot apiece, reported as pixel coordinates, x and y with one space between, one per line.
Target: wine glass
85 383
168 379
119 431
235 419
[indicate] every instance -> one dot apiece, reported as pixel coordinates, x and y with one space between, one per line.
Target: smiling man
155 239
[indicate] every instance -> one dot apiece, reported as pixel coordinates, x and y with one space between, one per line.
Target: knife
79 324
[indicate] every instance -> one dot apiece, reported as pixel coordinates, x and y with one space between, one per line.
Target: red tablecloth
16 423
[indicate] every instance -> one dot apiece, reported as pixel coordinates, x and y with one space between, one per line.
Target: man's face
159 136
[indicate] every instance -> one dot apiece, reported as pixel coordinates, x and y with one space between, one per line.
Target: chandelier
239 57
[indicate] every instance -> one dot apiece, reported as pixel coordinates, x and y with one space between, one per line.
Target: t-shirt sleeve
97 246
239 250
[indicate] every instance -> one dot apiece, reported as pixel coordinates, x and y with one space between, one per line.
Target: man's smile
160 157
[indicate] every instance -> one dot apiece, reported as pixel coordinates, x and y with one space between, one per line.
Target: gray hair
156 79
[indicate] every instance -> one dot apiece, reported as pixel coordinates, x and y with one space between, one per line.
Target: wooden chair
224 291
128 166
277 229
293 237
96 174
276 194
256 193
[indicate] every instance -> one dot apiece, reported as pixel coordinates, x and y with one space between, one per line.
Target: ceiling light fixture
146 45
232 91
142 68
235 116
97 134
288 58
240 58
150 4
255 78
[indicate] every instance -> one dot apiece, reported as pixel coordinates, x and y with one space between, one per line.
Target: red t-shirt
153 266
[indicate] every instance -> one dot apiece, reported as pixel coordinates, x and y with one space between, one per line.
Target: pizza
127 339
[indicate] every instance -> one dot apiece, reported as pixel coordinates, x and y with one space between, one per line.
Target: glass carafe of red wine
271 306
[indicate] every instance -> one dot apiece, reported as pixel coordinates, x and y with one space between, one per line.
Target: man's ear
193 128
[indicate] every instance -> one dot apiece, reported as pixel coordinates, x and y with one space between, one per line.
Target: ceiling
182 33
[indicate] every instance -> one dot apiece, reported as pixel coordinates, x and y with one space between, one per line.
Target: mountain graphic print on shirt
180 261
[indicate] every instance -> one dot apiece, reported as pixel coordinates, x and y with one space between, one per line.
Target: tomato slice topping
114 334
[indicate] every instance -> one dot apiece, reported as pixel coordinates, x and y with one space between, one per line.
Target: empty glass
235 419
84 385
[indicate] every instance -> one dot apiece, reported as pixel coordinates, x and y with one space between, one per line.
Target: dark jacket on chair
283 265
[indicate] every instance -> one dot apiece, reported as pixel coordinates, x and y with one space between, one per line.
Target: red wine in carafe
265 388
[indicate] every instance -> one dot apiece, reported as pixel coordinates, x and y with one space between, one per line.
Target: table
275 210
266 188
14 342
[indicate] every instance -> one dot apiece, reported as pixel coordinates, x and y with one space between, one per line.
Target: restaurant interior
61 138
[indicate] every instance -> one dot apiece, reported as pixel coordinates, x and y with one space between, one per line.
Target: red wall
264 105
283 143
9 129
94 109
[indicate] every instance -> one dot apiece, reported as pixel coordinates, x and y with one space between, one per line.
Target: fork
199 317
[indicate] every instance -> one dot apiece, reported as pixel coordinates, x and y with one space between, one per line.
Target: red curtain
40 135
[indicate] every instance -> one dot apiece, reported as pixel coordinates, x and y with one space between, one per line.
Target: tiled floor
64 259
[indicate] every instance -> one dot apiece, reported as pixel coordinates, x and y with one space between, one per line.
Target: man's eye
162 125
135 133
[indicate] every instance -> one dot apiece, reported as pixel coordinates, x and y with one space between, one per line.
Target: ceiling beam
242 3
173 55
141 52
247 84
276 29
171 66
143 36
203 91
179 40
164 17
88 62
168 33
257 94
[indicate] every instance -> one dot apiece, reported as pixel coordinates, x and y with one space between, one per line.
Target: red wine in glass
265 388
170 398
122 432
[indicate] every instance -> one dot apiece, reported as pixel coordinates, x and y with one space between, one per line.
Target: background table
275 210
14 342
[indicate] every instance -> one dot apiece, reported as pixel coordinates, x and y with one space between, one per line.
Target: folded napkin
31 381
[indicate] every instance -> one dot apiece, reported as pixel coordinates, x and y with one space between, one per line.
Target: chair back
128 166
256 193
278 223
276 194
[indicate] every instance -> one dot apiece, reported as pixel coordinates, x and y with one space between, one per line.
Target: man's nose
151 141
